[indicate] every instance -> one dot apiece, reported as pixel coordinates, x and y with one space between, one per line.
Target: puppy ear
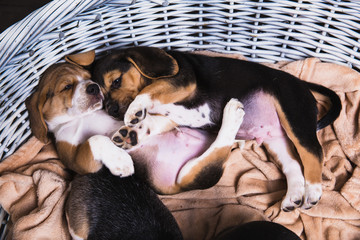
34 105
81 59
152 62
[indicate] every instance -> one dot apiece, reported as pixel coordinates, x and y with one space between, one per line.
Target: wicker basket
262 30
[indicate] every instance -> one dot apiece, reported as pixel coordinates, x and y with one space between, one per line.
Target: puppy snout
93 89
113 109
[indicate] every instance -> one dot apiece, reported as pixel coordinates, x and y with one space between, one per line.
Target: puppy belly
261 121
165 154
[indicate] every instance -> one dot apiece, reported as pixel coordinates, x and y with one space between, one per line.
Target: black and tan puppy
192 90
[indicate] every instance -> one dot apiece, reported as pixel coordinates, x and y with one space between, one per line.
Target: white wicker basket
262 30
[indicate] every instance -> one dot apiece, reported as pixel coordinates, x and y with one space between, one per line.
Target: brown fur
211 162
49 100
165 92
77 218
78 158
312 164
131 81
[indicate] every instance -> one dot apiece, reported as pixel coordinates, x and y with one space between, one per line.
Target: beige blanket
33 183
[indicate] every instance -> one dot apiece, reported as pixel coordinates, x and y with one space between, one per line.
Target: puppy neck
79 129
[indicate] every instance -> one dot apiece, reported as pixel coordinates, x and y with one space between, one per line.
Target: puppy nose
113 109
93 89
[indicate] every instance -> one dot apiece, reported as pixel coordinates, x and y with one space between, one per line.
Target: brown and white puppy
69 105
192 90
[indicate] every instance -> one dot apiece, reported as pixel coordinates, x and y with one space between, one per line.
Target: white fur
117 160
81 106
313 192
78 130
196 117
74 236
291 169
232 119
140 103
86 121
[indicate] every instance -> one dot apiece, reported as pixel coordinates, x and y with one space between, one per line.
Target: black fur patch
207 177
123 208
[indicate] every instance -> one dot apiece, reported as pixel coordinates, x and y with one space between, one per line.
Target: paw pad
125 138
139 116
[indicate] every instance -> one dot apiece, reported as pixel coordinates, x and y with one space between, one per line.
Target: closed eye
116 83
67 87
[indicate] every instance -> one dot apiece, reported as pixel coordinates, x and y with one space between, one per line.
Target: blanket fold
34 183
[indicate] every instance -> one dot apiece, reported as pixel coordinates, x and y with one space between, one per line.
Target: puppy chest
191 117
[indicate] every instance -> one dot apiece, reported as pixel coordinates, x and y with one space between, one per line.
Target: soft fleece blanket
34 184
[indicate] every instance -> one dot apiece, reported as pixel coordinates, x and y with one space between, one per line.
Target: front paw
137 110
119 162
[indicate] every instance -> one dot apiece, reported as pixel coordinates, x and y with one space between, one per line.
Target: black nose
113 109
93 89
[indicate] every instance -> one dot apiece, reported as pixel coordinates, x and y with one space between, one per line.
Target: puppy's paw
119 163
233 117
294 197
117 160
137 110
234 113
125 138
312 195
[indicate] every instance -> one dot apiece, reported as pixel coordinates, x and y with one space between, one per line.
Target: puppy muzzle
93 89
114 110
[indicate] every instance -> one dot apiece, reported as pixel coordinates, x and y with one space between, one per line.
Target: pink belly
167 153
261 121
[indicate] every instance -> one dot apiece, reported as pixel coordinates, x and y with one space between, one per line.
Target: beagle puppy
101 205
69 105
191 90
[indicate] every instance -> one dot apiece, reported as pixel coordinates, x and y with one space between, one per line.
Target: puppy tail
335 108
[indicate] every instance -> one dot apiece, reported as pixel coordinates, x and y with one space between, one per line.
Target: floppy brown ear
152 62
81 59
34 105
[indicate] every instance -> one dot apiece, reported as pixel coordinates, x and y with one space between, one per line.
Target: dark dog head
123 74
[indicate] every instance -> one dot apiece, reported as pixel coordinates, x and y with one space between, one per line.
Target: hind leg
313 175
310 152
302 133
282 151
195 173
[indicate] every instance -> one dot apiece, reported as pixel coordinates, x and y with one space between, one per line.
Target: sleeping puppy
68 104
100 205
192 90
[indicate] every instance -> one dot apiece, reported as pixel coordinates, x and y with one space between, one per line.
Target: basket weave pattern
261 30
